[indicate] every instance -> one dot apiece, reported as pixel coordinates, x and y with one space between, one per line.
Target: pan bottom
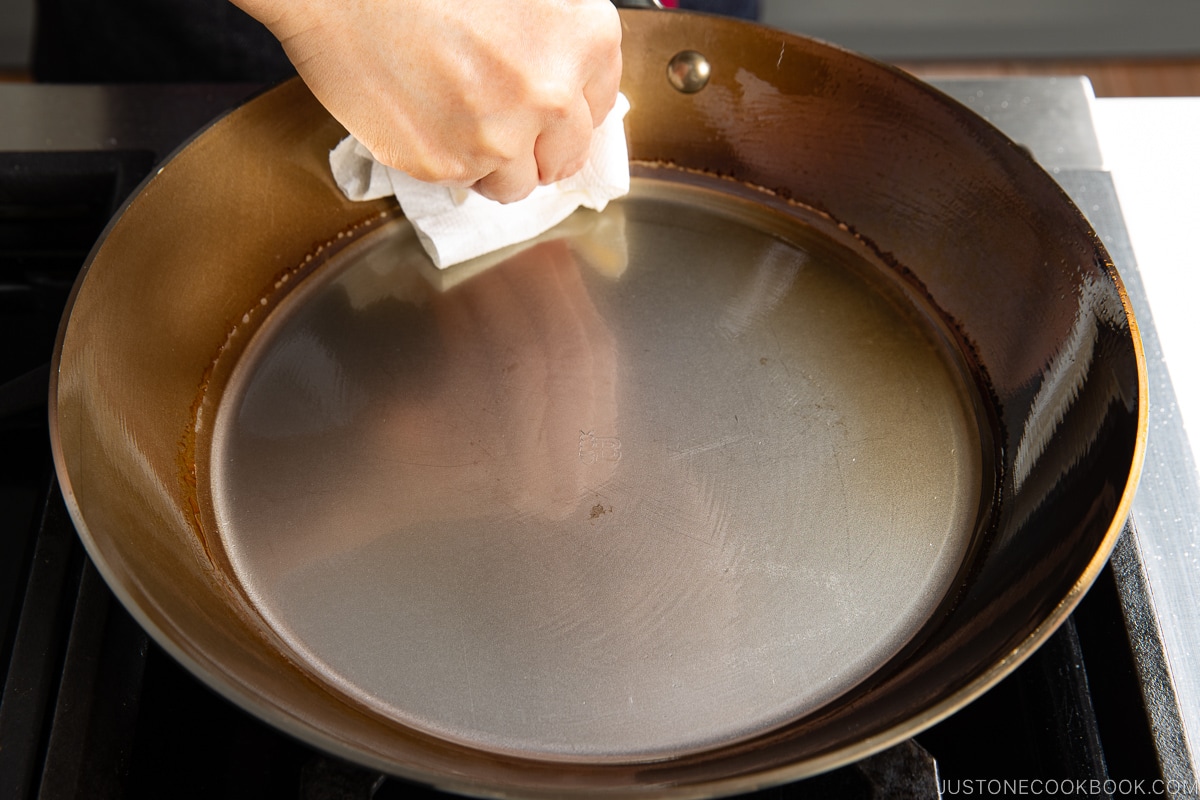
668 477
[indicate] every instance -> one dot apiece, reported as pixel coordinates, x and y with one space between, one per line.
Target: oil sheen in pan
672 476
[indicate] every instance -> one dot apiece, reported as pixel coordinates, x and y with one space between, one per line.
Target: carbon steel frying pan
785 457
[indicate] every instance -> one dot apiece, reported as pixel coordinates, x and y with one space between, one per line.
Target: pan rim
227 686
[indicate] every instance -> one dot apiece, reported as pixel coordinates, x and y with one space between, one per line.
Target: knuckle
557 99
454 175
504 189
499 146
557 166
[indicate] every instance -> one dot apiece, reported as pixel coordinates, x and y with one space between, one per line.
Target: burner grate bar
37 654
95 716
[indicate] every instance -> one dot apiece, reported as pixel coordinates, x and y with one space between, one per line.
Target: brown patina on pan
800 448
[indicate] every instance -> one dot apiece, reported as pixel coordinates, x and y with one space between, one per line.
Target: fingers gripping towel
455 225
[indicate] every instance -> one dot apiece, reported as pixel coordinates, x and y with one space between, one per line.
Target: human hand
499 95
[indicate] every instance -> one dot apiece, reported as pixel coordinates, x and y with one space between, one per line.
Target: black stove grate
53 207
92 708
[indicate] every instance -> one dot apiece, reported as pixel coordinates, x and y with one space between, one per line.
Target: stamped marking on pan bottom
593 448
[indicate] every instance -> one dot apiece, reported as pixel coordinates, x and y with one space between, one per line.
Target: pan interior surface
670 477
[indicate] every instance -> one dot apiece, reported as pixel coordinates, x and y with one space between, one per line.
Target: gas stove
91 707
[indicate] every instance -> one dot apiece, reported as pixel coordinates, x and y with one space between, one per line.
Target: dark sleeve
746 9
147 41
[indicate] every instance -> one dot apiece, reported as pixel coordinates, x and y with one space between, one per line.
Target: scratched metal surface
675 475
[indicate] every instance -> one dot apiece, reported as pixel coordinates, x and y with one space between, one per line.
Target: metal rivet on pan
688 71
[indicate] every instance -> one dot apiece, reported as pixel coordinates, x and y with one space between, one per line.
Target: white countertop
1151 146
1149 149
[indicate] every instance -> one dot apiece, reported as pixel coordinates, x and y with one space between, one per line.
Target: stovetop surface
93 708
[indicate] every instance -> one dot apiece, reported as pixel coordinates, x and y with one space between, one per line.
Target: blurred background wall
995 29
924 30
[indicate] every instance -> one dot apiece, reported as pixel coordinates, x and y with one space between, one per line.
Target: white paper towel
455 225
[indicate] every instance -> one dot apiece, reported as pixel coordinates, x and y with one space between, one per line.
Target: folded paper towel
455 225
